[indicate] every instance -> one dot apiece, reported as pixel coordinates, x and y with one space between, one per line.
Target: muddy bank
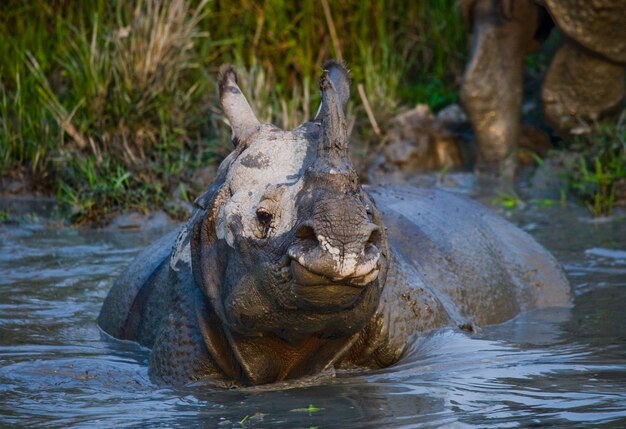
417 147
417 141
37 209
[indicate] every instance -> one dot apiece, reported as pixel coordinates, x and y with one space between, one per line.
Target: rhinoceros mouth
319 290
306 277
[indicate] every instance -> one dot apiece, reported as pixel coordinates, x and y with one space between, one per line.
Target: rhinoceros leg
503 33
580 84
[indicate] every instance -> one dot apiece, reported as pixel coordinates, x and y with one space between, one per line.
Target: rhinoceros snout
352 259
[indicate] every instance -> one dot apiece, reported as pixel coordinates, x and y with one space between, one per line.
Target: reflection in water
555 367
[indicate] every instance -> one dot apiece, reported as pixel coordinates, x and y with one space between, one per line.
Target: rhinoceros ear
242 119
338 77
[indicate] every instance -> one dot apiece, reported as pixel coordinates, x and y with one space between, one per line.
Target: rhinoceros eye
265 221
369 211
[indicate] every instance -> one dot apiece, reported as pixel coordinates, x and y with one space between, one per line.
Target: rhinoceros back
118 316
481 267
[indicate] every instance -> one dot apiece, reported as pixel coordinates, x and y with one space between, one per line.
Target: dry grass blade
156 46
368 109
332 31
53 104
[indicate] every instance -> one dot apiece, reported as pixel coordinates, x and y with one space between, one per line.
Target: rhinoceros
288 267
585 79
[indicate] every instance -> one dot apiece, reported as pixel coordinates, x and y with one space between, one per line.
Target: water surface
556 367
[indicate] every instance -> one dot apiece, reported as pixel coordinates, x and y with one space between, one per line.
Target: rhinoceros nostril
305 232
374 238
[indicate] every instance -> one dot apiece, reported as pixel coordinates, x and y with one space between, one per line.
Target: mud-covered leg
580 84
502 34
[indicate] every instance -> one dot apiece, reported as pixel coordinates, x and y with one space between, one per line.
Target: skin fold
289 267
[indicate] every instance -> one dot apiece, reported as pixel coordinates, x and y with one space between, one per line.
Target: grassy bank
112 105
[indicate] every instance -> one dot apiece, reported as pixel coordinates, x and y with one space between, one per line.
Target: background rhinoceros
288 266
585 79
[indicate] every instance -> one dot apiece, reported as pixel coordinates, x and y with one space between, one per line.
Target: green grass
112 105
599 164
507 200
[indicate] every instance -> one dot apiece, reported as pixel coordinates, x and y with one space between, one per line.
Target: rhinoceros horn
242 119
335 88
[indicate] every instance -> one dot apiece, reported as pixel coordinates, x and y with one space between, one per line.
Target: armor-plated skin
584 81
288 266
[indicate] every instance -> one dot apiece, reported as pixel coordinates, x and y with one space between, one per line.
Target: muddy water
556 367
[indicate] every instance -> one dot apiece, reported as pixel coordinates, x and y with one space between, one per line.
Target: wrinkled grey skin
585 79
289 267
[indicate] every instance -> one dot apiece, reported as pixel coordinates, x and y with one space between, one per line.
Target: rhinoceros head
286 241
